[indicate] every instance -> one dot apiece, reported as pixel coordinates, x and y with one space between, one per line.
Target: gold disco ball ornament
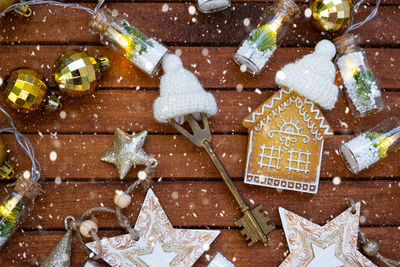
25 90
77 73
331 15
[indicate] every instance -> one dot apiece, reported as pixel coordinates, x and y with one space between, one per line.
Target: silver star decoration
127 152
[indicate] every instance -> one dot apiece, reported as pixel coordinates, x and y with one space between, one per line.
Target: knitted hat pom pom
171 63
326 49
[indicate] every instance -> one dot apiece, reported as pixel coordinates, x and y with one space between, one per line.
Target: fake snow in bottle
368 148
256 50
115 30
358 78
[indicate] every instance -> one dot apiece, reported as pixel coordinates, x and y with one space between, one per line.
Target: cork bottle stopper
288 8
27 188
100 21
346 43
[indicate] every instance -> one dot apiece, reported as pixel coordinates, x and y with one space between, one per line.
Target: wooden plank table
125 99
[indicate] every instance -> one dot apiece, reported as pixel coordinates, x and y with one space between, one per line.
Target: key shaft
225 176
254 223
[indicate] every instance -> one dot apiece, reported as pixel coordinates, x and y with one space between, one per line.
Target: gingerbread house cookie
286 140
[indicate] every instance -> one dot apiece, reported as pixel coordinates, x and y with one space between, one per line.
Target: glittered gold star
334 244
127 152
159 243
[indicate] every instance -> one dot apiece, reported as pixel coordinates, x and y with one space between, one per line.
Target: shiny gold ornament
331 15
25 90
24 10
76 73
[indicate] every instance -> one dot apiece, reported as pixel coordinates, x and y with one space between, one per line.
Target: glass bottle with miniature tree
15 205
10 214
371 146
362 89
116 31
256 50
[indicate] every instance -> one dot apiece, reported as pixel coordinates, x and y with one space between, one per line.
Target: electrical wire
25 145
368 18
54 3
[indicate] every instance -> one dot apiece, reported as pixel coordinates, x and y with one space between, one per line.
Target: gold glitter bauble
331 15
25 90
76 73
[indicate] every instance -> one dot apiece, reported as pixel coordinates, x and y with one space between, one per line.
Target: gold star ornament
127 152
159 243
331 245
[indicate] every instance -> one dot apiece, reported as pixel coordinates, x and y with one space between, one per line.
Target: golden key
254 222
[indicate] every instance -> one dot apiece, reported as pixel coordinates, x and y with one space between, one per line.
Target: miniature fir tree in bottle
211 6
15 205
256 50
362 90
115 30
368 148
10 213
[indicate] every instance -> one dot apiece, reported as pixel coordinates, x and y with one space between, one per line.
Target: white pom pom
171 62
280 76
86 227
325 48
122 199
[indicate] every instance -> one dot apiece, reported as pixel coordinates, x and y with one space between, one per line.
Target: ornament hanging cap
104 63
313 76
181 93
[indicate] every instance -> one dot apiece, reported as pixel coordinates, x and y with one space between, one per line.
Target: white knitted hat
181 93
313 76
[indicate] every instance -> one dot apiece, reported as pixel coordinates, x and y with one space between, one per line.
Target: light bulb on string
361 85
25 190
117 32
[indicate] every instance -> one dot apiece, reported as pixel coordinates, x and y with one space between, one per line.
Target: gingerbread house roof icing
271 108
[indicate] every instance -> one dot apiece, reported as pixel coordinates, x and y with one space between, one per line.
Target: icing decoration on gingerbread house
286 140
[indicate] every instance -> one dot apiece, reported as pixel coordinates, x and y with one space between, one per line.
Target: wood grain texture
177 26
185 180
184 202
105 110
78 157
217 70
230 243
